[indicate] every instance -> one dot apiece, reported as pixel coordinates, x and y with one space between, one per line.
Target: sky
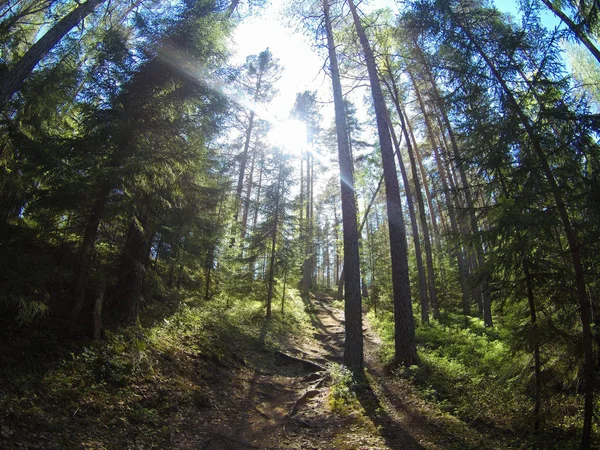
267 28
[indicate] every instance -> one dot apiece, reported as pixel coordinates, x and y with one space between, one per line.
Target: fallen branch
310 365
307 394
313 376
285 433
319 383
262 413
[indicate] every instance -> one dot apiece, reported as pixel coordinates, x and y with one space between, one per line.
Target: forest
402 259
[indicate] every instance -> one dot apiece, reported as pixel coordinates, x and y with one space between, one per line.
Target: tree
261 72
405 343
395 96
12 81
353 345
306 110
554 130
275 219
589 20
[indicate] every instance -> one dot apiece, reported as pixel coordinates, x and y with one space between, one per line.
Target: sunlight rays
289 134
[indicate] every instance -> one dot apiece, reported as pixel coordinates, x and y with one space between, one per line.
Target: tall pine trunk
13 80
353 345
393 90
405 341
415 230
457 251
247 198
274 240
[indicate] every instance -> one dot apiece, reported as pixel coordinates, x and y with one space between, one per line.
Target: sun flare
290 135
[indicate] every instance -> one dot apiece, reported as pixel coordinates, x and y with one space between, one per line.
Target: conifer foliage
138 170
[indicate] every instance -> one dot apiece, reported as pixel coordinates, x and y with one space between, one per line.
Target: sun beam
289 135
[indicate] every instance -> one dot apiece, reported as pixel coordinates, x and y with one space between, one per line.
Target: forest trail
288 406
189 394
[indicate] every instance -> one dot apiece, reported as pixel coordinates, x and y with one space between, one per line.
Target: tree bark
13 80
243 161
393 90
478 244
415 230
360 229
448 199
248 194
405 341
353 345
274 240
97 315
85 255
283 295
133 266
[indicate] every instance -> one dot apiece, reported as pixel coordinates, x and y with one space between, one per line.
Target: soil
266 400
288 407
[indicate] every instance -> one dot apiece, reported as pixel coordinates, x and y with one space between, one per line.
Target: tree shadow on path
394 434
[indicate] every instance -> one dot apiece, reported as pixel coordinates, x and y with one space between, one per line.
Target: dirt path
286 406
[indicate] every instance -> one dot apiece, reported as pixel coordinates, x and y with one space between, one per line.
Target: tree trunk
478 244
536 345
575 29
133 269
13 80
306 267
258 188
274 241
448 199
311 236
247 199
97 315
243 161
393 89
428 193
328 261
360 228
415 230
353 345
283 295
405 341
85 255
372 264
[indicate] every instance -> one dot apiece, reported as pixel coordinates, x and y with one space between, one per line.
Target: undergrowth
128 389
476 375
342 394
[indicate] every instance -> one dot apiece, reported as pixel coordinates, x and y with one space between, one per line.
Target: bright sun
290 135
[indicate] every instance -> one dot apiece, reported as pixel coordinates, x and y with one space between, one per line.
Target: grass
475 375
127 389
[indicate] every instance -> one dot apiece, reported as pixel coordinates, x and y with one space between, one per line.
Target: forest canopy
442 184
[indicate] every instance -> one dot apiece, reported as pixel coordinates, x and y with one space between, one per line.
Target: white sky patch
300 64
267 28
302 68
289 135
